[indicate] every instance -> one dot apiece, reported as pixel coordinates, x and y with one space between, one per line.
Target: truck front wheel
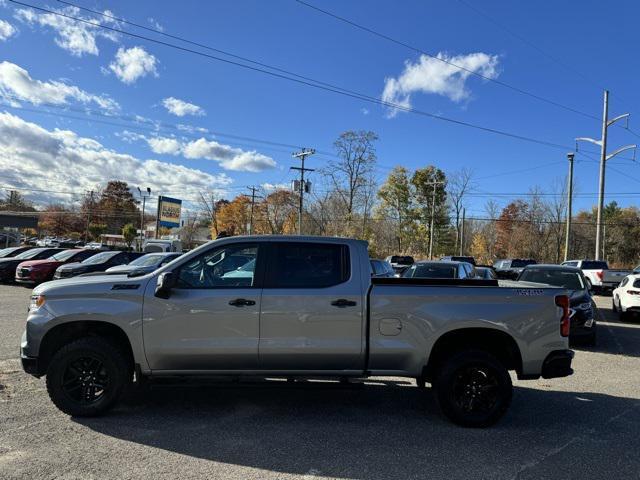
473 388
87 376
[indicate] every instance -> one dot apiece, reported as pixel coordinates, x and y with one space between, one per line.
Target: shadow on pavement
372 431
614 336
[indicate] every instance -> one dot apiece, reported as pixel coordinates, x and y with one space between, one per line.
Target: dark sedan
96 263
583 321
8 265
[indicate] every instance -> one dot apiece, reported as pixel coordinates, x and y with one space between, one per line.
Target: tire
613 305
77 372
460 382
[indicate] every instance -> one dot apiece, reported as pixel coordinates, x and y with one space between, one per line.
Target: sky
81 104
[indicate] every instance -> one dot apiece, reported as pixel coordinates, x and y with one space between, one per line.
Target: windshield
64 255
521 263
6 251
147 260
30 253
557 278
430 270
99 258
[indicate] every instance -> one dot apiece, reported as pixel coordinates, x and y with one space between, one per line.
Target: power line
311 83
438 58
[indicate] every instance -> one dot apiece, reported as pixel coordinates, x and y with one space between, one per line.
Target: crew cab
602 278
296 307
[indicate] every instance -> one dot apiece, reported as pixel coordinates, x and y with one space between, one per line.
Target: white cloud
6 30
430 75
133 63
155 24
181 108
16 84
228 157
275 186
76 37
36 158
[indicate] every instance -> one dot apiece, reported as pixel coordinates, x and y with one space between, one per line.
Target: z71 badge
530 292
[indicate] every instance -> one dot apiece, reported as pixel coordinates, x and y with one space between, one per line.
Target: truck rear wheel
473 388
86 377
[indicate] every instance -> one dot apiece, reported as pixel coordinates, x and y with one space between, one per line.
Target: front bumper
558 364
30 365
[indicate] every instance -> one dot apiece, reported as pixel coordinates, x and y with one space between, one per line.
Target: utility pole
253 201
144 201
86 231
570 157
433 216
602 143
302 155
464 211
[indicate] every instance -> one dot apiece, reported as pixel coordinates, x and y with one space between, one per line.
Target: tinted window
624 282
636 283
521 263
30 253
64 255
309 265
431 270
228 266
147 260
83 255
557 278
402 260
7 251
594 265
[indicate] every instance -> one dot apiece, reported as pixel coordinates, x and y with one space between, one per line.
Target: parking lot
584 426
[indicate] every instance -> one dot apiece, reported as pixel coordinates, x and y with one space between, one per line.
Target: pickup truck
602 278
293 306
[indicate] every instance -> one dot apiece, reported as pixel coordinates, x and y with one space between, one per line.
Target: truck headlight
36 302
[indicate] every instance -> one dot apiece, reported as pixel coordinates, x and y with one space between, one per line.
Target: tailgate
614 276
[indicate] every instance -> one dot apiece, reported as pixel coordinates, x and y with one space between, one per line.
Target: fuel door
390 327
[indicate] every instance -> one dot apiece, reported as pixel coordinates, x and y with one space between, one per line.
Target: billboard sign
169 212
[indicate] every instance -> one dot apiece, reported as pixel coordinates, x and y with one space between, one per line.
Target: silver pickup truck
286 306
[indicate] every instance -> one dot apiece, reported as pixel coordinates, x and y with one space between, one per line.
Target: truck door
311 316
210 321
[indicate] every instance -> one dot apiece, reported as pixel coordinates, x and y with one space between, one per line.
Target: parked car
96 263
308 308
459 258
13 251
399 262
626 298
33 272
144 264
381 269
509 269
602 278
160 245
439 269
95 246
486 273
583 320
8 265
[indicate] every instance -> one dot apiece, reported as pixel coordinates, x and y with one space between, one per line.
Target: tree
129 233
423 182
353 171
233 217
277 213
395 202
210 204
59 220
117 206
96 230
15 202
459 185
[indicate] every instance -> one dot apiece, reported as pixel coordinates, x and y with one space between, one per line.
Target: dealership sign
169 212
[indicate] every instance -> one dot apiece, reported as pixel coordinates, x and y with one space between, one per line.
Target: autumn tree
233 217
129 233
60 220
116 206
425 181
277 213
395 203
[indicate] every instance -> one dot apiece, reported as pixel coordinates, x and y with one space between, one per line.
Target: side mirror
166 281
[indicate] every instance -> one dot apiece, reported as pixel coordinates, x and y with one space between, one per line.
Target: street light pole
144 201
433 215
602 143
570 157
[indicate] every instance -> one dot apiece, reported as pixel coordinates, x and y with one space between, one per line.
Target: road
585 426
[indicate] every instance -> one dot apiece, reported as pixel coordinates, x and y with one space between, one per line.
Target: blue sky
128 77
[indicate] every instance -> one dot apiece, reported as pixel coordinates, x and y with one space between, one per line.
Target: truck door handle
342 302
241 302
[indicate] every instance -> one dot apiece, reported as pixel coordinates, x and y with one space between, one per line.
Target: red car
33 272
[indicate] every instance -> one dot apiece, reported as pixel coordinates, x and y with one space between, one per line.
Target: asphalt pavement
585 426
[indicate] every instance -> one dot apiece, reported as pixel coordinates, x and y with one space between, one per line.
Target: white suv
626 298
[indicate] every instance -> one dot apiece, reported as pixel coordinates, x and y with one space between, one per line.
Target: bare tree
459 184
350 174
